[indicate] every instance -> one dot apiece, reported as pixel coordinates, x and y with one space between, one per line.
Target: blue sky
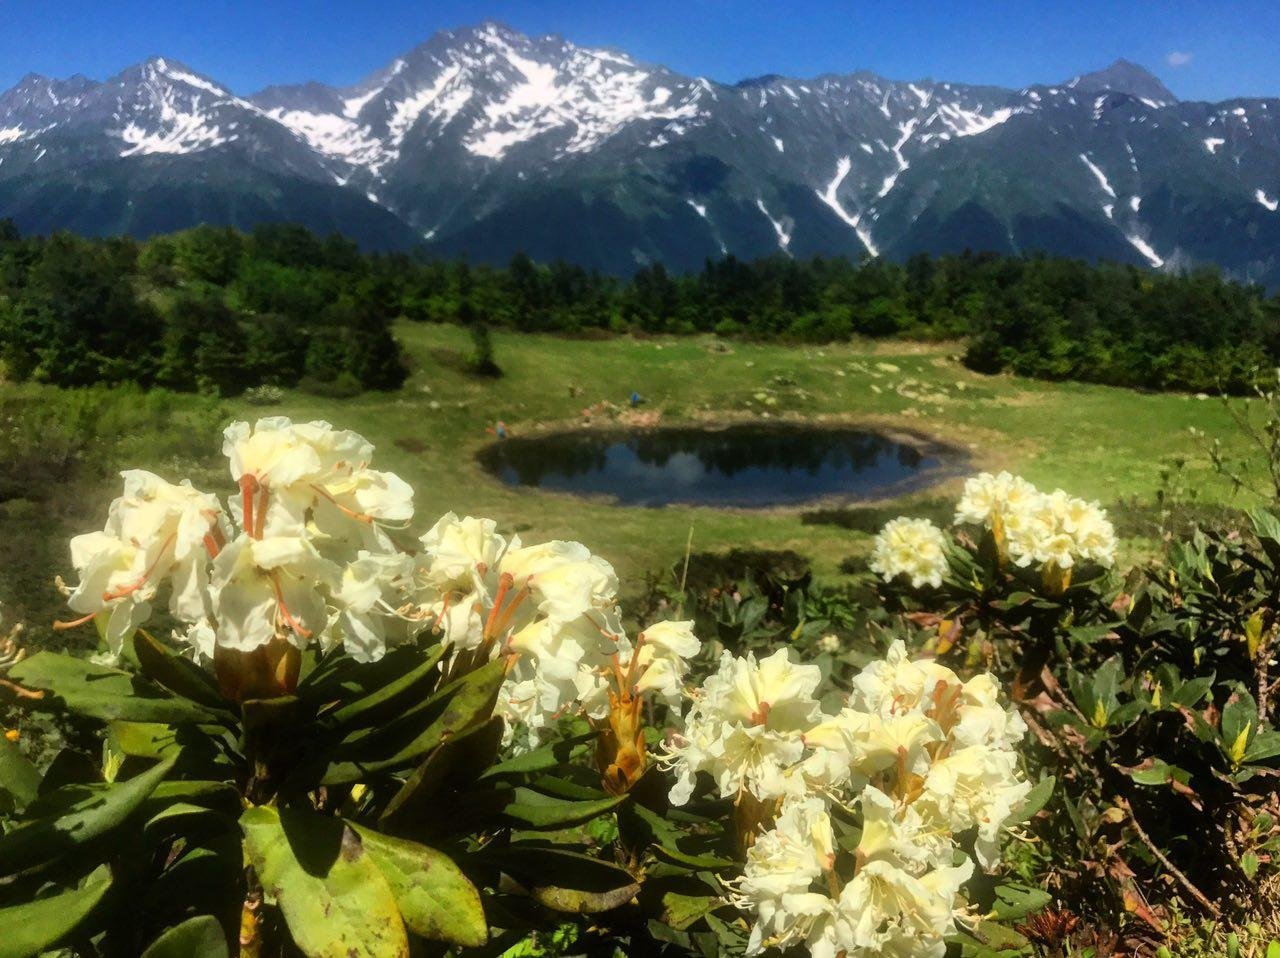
1202 50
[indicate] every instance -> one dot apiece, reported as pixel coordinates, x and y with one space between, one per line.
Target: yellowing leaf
1100 715
1253 633
1240 745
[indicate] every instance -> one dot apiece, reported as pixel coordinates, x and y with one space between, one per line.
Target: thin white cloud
1178 58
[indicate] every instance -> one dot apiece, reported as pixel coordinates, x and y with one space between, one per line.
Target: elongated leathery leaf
37 926
456 763
453 709
435 899
566 881
47 839
19 779
536 810
334 899
180 676
104 693
199 937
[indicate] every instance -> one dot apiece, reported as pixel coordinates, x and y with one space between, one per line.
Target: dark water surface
747 466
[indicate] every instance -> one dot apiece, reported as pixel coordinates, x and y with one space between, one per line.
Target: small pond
748 466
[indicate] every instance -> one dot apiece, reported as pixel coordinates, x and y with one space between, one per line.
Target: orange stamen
248 490
289 620
350 513
260 516
508 613
125 590
63 626
504 586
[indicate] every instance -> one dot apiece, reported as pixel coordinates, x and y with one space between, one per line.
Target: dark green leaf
19 778
457 762
567 881
1035 800
451 710
199 937
681 911
104 693
553 755
49 839
36 926
180 676
378 690
533 809
1017 901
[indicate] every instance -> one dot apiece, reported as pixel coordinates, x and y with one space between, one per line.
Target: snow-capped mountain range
485 142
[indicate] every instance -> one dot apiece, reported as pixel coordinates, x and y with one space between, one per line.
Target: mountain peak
171 71
1125 76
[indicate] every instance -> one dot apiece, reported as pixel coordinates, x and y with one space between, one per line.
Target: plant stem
1176 872
251 918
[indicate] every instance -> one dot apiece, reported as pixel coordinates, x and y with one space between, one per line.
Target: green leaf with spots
333 897
435 899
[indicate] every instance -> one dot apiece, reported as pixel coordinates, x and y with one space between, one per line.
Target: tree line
216 310
207 310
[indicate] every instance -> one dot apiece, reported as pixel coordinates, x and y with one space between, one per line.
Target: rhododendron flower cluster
1050 531
914 548
1037 528
922 763
304 554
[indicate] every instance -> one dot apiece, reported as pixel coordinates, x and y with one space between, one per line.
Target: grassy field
1098 442
1102 443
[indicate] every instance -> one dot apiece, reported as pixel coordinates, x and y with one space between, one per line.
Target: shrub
356 744
1152 701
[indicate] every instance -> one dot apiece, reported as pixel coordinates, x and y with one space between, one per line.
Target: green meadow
1099 442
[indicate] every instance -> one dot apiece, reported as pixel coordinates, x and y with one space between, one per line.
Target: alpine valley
484 142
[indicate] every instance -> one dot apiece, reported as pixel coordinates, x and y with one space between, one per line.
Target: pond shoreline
951 462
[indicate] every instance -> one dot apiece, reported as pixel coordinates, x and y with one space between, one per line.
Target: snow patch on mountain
853 220
1143 247
1102 177
972 122
779 226
332 135
592 100
906 130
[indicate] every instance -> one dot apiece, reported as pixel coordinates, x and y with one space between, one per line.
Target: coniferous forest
215 310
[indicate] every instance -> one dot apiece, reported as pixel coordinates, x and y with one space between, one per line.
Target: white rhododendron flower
918 755
265 589
746 727
369 600
293 473
914 548
304 555
975 786
661 659
156 532
895 684
1035 528
991 500
781 868
552 608
462 555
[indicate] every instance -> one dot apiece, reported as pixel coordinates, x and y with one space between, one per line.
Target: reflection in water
740 466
